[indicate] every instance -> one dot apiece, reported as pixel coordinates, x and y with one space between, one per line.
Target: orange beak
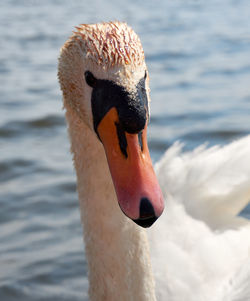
138 192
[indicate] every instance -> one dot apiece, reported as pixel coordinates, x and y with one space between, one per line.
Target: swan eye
145 75
90 79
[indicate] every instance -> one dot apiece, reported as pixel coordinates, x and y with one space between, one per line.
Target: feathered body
200 247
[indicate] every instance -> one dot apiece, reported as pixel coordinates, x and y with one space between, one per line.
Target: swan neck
117 250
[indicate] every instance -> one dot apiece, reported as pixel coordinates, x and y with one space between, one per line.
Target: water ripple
18 128
197 53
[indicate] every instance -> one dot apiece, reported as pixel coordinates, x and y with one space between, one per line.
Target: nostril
147 214
146 208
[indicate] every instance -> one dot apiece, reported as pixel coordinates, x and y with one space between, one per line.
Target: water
198 58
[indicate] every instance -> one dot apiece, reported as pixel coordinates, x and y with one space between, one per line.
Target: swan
198 247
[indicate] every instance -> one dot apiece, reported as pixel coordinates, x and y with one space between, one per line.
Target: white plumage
200 247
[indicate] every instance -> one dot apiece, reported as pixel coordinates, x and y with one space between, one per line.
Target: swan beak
137 189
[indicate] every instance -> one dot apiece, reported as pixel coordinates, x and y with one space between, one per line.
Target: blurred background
198 58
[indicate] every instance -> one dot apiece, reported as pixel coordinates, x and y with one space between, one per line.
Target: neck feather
117 250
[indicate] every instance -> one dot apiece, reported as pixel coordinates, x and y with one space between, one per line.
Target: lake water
198 58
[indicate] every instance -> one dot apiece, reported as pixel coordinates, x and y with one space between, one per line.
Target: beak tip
147 214
146 222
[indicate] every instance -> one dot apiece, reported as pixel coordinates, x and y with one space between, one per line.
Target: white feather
200 247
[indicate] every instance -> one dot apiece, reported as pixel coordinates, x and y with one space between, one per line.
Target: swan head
104 79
